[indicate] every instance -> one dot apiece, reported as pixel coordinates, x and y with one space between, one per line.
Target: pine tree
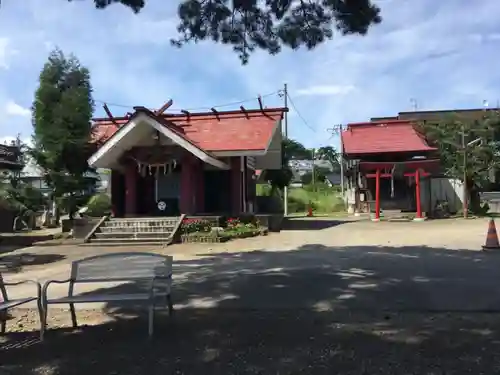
62 113
249 25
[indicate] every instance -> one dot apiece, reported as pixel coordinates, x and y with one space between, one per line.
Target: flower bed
199 230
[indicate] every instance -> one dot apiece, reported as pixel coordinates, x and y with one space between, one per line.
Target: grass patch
322 199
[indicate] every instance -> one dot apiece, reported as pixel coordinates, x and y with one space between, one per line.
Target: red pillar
130 190
377 195
236 184
200 187
188 185
417 194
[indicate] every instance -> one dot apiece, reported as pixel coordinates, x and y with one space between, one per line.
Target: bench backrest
120 267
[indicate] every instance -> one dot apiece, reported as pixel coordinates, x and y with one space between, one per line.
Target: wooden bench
154 270
6 303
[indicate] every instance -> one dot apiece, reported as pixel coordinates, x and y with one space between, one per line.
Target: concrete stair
136 231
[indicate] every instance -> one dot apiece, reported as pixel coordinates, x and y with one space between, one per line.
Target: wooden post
417 193
377 195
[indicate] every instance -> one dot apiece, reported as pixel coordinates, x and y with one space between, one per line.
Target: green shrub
321 200
99 205
195 225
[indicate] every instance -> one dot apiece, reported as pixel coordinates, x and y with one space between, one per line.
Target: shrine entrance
412 171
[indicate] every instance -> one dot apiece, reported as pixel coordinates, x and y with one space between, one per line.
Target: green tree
482 158
62 113
269 25
319 176
16 193
331 155
295 150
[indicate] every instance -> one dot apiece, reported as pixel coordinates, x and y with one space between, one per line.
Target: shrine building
188 163
387 160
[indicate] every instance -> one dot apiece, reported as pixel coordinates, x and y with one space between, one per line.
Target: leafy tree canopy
62 113
293 149
482 157
331 155
269 25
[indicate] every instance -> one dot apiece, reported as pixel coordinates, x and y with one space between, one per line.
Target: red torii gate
417 169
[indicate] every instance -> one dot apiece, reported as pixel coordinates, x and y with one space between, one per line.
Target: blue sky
441 53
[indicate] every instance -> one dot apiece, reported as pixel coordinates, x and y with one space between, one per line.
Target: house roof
382 137
210 131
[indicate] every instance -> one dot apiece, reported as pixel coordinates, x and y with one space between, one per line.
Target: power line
111 104
299 114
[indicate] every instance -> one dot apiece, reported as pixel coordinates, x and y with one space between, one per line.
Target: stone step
126 242
152 229
136 231
139 224
134 235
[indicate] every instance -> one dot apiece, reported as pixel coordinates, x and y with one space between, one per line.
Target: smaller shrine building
386 163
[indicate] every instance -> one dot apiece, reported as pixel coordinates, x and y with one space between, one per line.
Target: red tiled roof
382 136
221 131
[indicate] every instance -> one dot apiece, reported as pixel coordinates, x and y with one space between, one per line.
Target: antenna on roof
164 107
216 113
259 98
110 115
244 111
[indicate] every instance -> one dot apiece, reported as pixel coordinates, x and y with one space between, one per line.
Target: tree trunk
474 199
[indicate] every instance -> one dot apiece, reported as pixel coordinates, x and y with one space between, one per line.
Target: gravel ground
356 298
215 341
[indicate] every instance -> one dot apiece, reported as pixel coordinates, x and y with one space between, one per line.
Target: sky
438 54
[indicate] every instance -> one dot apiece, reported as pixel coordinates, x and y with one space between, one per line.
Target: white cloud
14 109
4 52
325 90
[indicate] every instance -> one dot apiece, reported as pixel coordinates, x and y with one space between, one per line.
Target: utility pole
341 160
465 206
285 190
313 151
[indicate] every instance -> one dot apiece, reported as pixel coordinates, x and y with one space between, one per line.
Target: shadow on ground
314 310
15 262
311 224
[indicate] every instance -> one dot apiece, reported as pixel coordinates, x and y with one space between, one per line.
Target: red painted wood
422 174
377 194
130 190
382 175
417 192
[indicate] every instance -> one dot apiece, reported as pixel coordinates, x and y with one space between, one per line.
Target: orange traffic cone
491 237
310 211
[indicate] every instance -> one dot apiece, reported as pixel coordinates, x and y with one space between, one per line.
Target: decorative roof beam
216 113
259 98
186 113
110 115
244 111
165 106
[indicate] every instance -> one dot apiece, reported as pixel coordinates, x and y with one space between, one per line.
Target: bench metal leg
43 319
73 315
3 321
170 305
41 315
151 315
